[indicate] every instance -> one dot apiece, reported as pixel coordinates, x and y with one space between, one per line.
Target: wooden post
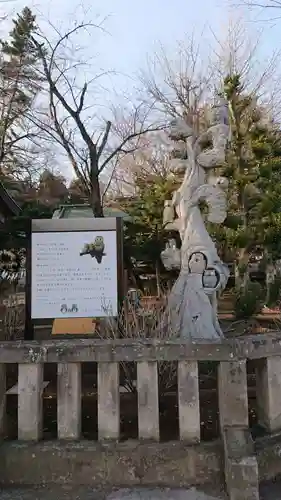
28 327
120 264
69 400
30 402
188 394
148 401
108 401
2 401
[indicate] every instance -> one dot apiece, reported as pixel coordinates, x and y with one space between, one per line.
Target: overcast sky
134 29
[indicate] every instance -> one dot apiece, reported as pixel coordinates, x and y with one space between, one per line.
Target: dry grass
13 323
141 323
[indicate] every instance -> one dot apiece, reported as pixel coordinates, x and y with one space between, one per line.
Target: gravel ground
269 491
90 494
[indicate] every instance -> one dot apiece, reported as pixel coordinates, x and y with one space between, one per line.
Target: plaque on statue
211 279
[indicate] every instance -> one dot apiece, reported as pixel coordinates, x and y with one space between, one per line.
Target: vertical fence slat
30 401
233 394
108 401
268 381
188 394
2 400
148 400
69 400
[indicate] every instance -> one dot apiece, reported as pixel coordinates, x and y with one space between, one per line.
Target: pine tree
20 83
145 237
254 171
21 58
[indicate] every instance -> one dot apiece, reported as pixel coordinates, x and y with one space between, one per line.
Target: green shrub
249 300
274 292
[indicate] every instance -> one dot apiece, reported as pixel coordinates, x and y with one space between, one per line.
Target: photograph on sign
74 274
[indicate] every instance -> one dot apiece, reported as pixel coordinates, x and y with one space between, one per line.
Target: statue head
197 262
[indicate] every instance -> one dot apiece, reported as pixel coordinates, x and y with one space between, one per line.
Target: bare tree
91 148
152 159
266 4
263 11
186 82
239 52
179 85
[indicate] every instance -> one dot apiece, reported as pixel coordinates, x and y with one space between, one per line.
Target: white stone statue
192 304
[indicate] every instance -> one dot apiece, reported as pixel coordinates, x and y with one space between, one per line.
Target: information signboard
75 268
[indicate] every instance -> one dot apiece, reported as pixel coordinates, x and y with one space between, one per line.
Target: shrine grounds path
90 494
269 491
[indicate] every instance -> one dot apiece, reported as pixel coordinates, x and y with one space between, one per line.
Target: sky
133 27
132 31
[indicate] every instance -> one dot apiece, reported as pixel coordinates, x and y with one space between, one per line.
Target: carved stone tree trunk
192 305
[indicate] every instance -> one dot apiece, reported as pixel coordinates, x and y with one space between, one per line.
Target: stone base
242 479
241 466
111 465
129 464
87 493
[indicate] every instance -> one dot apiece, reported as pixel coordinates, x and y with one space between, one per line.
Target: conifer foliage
253 225
20 82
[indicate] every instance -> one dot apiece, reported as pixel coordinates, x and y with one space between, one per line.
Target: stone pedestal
148 400
241 467
188 393
30 402
268 390
233 395
69 400
242 479
108 401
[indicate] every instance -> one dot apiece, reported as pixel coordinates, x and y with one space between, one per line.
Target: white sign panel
74 274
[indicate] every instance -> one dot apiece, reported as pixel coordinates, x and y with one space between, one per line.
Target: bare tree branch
89 152
267 4
104 139
178 85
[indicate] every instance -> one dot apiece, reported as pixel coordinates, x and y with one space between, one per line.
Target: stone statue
192 304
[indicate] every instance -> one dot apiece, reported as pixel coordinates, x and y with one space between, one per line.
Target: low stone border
88 350
127 464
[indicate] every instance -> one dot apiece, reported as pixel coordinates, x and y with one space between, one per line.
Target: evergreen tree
21 58
254 171
145 236
20 83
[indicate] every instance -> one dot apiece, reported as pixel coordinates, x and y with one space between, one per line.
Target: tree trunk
133 276
157 276
97 208
96 201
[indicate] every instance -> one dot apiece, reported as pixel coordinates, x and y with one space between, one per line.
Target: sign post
76 268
